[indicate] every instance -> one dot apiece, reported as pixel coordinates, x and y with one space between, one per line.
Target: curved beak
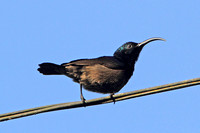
150 40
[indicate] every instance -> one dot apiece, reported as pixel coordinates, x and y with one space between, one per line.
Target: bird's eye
129 46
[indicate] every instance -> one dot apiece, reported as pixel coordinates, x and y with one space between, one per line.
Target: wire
102 100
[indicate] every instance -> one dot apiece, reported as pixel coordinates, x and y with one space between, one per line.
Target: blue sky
36 31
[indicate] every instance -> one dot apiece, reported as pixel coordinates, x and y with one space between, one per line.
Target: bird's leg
111 96
82 98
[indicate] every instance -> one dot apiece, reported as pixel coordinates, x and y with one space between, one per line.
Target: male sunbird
106 74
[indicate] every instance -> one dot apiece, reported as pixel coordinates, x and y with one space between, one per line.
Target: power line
102 100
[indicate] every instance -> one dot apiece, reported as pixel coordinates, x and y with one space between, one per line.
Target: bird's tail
51 69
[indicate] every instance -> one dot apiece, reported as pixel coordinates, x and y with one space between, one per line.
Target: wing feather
76 68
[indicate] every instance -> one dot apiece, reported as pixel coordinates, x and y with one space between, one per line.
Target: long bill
150 40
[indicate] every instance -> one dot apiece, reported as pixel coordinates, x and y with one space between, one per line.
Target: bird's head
129 52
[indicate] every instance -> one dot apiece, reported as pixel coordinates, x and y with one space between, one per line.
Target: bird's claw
83 99
111 96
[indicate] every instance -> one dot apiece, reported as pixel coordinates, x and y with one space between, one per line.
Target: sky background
35 31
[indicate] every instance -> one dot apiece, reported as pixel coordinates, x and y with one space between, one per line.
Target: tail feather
51 69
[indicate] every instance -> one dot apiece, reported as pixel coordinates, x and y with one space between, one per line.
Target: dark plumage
107 74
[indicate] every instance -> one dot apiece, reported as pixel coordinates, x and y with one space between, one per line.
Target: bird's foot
83 99
111 96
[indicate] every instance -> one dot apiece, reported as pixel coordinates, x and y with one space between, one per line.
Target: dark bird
106 74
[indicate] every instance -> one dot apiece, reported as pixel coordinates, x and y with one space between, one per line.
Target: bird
105 74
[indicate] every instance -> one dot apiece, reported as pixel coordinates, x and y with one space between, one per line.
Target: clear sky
36 31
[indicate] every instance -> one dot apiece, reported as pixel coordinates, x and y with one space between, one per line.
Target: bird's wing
74 69
107 61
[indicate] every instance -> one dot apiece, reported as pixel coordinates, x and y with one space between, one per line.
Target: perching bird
106 74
